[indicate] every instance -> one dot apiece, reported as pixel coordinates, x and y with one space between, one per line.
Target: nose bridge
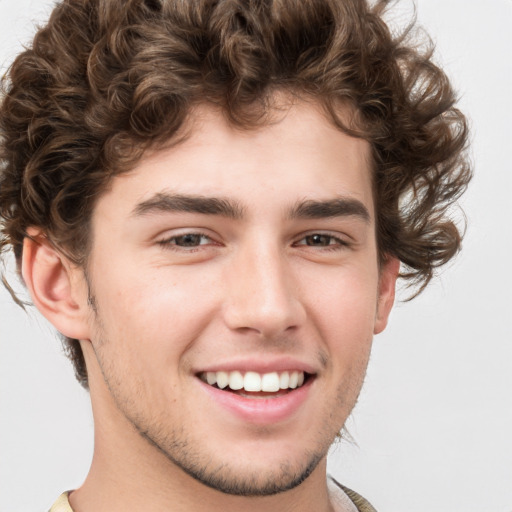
263 296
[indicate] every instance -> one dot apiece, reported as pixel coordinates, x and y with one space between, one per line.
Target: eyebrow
307 209
339 207
164 202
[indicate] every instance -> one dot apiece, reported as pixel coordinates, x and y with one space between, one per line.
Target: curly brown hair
105 80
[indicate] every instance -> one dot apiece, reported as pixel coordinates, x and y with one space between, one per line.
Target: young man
210 201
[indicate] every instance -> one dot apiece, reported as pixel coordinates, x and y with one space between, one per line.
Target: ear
55 286
387 284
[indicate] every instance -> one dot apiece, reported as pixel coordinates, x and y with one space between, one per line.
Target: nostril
263 320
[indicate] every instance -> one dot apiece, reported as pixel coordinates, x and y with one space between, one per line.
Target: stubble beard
179 449
195 459
229 480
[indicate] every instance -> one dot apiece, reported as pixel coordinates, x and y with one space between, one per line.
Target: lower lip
260 411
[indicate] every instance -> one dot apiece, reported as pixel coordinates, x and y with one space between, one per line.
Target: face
236 289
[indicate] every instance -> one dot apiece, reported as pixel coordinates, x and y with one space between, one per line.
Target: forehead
298 154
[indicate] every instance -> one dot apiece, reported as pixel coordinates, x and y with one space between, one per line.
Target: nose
263 295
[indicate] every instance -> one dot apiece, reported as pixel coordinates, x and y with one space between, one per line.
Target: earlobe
48 277
387 283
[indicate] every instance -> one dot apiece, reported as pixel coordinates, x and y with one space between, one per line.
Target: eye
187 240
321 240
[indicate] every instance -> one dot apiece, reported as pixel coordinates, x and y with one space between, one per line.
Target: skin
265 283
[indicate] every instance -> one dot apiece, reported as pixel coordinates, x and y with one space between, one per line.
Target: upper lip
259 366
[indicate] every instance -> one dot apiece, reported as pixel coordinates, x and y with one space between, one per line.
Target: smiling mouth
256 385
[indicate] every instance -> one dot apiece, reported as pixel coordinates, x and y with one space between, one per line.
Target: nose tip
264 319
263 299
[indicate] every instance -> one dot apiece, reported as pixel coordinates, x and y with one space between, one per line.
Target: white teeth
222 379
270 382
236 380
255 382
252 381
284 380
294 380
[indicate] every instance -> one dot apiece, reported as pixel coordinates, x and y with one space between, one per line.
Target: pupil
189 240
318 240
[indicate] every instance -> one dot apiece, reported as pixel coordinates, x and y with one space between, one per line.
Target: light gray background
434 422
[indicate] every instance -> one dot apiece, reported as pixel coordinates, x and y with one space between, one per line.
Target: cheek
344 301
143 327
159 310
343 313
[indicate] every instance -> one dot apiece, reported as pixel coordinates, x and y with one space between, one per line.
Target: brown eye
318 240
322 241
188 240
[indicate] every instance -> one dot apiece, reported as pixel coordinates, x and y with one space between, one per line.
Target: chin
251 481
246 470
